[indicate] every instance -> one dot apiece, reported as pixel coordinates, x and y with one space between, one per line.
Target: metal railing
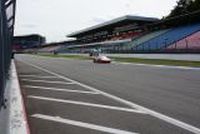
7 18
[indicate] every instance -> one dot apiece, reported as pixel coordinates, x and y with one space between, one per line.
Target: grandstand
117 29
110 35
136 34
54 47
22 43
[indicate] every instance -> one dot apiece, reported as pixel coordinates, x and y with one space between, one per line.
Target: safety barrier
7 18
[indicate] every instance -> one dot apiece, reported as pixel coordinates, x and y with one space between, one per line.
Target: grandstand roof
28 36
113 22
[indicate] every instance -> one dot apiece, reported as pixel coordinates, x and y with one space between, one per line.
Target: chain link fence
7 18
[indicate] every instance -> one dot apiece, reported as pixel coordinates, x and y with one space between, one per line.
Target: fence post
1 56
186 43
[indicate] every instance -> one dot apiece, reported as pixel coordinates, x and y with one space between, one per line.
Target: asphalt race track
65 96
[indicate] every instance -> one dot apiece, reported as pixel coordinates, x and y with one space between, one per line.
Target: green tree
182 7
189 10
195 6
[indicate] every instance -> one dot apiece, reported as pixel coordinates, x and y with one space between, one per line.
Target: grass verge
134 60
66 56
158 61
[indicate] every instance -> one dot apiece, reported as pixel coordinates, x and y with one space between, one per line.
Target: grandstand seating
164 40
190 42
167 40
147 37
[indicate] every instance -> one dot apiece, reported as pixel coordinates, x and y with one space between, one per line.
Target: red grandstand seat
191 42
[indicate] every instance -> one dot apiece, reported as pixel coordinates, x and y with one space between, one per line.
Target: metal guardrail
7 18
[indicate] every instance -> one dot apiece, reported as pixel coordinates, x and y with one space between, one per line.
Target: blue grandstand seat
168 38
147 37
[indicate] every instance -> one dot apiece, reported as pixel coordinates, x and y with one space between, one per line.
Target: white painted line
47 81
61 90
36 76
87 104
153 113
82 124
124 63
160 66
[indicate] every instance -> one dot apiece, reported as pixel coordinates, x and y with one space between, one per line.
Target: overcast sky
54 19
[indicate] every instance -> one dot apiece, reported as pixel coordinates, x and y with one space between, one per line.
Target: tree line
185 7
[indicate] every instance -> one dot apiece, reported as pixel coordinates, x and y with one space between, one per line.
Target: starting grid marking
29 78
48 82
87 104
82 124
60 89
36 76
139 109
